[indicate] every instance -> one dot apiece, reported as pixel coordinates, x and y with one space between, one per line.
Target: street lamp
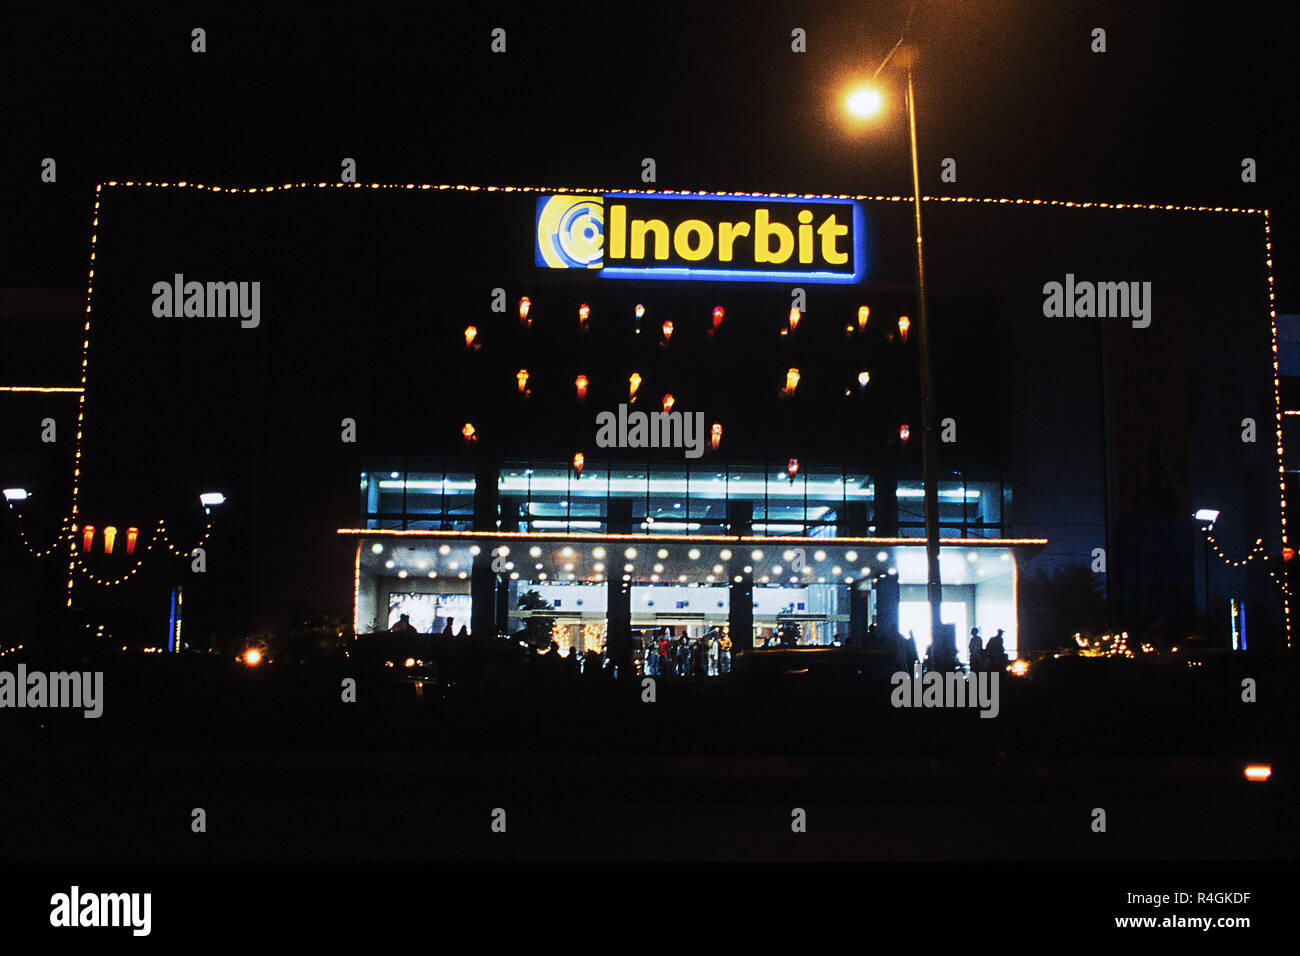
1207 517
15 494
865 102
210 499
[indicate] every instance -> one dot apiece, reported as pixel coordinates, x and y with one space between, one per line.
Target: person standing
976 650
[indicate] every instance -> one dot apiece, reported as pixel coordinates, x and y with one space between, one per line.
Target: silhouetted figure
995 655
463 632
907 652
447 631
591 663
976 650
403 625
724 654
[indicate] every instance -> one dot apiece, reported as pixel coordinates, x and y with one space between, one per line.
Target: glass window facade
550 497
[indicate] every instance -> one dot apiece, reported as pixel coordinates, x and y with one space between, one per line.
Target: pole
929 445
1205 550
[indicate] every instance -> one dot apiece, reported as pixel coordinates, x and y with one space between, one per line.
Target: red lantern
132 534
669 402
524 305
1288 554
110 535
578 460
584 313
668 331
794 319
468 431
718 313
904 323
904 433
715 436
580 383
87 537
792 467
470 333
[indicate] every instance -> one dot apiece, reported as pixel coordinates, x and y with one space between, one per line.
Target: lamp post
865 102
1207 517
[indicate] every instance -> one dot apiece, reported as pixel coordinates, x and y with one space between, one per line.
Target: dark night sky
711 91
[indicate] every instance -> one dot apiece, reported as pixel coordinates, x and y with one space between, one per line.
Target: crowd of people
661 654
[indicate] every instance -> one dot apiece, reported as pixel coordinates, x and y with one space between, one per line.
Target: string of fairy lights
159 535
73 557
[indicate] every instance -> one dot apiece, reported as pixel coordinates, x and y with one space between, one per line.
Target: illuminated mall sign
631 235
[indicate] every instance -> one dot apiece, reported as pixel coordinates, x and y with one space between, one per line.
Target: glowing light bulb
715 436
522 378
718 313
791 380
470 333
864 378
524 305
904 433
633 383
669 402
904 323
584 313
580 383
864 313
792 467
794 319
468 431
578 461
667 330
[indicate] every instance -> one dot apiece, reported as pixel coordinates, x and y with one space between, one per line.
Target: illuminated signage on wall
630 235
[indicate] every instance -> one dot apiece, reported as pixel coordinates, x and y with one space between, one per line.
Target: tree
537 628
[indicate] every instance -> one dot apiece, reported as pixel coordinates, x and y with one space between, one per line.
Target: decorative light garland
22 534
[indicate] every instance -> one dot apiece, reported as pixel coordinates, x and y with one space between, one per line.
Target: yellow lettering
681 240
660 229
763 232
805 236
830 231
616 241
729 232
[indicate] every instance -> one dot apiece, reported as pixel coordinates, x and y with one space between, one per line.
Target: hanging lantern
792 467
580 383
904 323
522 378
669 402
110 535
87 538
1288 554
468 431
715 436
633 383
470 333
718 313
578 460
794 319
584 313
524 305
791 380
863 379
132 535
904 433
668 330
863 314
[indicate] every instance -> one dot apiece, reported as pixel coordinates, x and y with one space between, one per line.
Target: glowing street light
15 494
865 102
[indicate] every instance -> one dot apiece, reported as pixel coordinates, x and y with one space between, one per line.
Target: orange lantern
715 436
669 402
470 333
794 319
791 380
581 384
863 314
1288 554
584 313
668 330
110 535
522 378
132 534
792 467
633 383
524 305
718 313
87 537
578 460
468 431
904 323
